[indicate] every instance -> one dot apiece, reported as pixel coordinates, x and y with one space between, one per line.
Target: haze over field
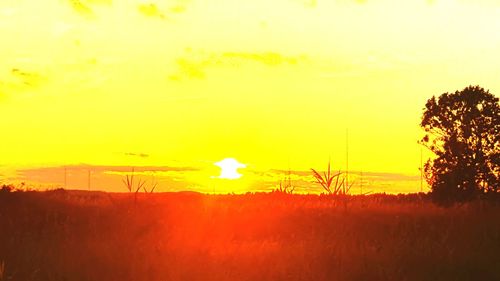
175 86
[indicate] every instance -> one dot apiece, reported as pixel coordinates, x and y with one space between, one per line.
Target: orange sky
274 84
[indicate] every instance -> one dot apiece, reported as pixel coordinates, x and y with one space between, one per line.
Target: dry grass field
92 236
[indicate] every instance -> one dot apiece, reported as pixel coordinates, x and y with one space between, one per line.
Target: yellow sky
272 83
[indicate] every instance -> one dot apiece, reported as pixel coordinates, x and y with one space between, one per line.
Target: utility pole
65 177
421 170
88 179
361 183
347 158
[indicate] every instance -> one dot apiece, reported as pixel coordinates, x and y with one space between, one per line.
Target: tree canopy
463 131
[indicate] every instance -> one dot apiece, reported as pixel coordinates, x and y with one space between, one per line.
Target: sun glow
229 168
74 72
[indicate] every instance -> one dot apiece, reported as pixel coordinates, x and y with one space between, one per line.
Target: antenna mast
361 182
347 158
88 179
421 170
65 177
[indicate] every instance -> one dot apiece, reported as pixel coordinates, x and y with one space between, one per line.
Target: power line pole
65 177
361 183
347 158
88 179
421 170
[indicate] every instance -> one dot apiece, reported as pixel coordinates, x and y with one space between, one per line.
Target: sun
229 168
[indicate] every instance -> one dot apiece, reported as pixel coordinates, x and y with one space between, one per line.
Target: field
76 235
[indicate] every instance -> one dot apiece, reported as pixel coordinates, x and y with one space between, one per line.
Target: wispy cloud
378 175
268 58
107 178
370 181
181 178
194 65
191 69
142 155
388 176
27 78
315 3
16 79
85 7
162 10
305 3
81 8
151 10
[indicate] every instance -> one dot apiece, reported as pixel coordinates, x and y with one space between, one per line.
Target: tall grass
329 181
80 236
141 184
2 270
285 186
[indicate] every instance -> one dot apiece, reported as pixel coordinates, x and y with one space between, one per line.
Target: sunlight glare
229 168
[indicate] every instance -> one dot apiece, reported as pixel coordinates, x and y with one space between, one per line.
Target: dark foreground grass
69 235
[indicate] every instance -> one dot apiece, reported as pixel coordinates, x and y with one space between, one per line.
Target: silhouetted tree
6 188
463 131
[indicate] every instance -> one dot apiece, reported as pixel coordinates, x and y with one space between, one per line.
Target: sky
172 87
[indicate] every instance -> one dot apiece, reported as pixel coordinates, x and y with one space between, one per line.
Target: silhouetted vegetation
141 184
329 181
285 186
94 236
6 188
463 131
